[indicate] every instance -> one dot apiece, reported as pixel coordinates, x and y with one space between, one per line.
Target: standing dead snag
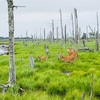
72 29
52 30
83 39
12 75
46 48
76 25
65 35
97 35
57 33
31 62
61 28
44 35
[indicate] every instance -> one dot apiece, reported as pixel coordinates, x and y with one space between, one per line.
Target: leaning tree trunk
12 75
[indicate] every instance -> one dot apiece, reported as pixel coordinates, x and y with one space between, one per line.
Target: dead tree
40 35
12 74
57 33
97 35
72 30
79 34
76 25
53 30
12 71
61 27
83 40
31 62
50 37
44 35
65 35
72 26
93 32
46 48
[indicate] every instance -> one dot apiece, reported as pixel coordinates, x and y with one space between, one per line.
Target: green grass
48 80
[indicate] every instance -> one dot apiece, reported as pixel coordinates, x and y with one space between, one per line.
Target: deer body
42 58
67 58
72 52
72 55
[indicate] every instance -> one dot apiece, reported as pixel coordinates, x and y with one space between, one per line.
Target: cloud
39 14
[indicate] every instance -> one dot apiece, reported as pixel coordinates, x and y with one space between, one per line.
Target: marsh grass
48 80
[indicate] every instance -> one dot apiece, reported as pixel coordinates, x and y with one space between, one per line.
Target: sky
37 15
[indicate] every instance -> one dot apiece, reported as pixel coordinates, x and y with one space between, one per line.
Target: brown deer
66 58
72 52
42 58
72 55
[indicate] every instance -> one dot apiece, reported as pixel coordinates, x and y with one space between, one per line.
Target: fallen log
86 49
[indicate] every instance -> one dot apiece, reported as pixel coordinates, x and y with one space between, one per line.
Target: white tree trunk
63 44
97 35
76 25
12 75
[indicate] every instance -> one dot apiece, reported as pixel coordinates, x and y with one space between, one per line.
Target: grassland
49 80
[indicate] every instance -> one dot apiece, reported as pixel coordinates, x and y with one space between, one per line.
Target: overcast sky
38 14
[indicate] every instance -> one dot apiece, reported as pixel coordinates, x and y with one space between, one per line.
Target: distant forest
15 38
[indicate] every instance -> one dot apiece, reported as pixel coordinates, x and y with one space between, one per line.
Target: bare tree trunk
72 26
40 35
53 30
72 30
44 35
12 75
93 31
57 33
76 25
79 34
65 35
31 62
61 27
50 37
97 35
